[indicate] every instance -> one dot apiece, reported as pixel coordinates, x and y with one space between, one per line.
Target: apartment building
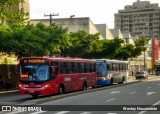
140 19
25 7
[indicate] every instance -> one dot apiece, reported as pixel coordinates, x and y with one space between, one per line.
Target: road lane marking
38 112
148 87
113 92
30 102
110 100
132 92
157 103
86 113
62 112
111 113
150 93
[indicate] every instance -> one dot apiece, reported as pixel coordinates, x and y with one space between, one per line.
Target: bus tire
111 81
35 96
84 87
61 89
123 80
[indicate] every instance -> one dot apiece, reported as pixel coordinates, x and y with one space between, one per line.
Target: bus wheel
35 96
111 81
84 86
61 90
123 80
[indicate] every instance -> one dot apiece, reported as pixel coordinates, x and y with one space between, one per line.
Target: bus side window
85 67
119 66
88 67
92 67
108 67
114 66
75 68
63 68
69 68
81 67
124 66
54 69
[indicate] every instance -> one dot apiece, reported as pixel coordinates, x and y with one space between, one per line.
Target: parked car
141 74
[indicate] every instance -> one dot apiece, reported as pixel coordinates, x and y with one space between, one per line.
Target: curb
7 92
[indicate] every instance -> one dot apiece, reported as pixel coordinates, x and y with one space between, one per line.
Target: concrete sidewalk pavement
132 78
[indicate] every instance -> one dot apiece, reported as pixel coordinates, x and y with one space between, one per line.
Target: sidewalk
133 79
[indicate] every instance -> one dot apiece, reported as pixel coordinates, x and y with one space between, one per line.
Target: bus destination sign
34 61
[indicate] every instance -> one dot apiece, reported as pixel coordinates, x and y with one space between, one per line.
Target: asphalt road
106 101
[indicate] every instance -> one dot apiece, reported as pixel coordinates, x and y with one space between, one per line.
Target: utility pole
50 15
144 61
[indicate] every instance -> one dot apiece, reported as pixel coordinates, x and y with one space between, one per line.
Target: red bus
46 75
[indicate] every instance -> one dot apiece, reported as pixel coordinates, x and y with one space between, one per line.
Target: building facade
104 31
25 7
73 24
140 19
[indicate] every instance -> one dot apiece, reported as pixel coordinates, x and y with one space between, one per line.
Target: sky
99 11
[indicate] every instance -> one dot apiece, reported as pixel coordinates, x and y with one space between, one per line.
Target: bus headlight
45 86
22 86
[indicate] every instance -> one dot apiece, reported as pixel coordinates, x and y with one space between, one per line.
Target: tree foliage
32 40
42 40
10 13
82 44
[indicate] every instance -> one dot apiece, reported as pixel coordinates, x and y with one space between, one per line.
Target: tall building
140 19
25 8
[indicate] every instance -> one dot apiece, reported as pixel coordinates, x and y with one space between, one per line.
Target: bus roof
59 58
111 61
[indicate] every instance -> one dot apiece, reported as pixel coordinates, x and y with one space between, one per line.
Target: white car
141 74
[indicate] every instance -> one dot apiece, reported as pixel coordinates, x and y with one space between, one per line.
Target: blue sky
99 11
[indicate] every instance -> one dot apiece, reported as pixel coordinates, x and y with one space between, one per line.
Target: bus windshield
36 72
101 69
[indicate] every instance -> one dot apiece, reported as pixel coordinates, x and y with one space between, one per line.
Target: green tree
81 45
39 40
125 52
11 14
141 43
111 48
5 39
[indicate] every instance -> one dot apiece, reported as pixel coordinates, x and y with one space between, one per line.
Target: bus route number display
34 61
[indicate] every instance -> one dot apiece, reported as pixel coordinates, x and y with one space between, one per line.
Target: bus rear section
45 76
111 71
